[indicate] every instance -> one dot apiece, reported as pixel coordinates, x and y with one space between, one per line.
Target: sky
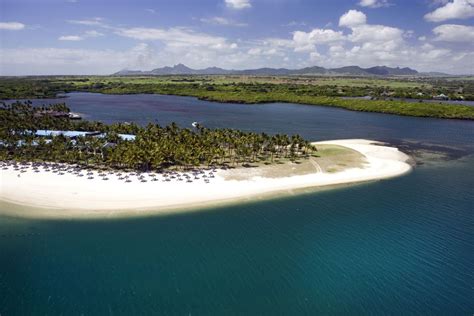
50 37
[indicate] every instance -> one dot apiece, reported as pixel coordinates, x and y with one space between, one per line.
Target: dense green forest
258 90
154 147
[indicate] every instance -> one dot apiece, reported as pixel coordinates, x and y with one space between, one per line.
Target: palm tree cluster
154 147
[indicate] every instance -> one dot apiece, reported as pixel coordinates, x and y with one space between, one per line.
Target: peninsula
97 170
59 192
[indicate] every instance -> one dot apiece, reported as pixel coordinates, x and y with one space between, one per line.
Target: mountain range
181 69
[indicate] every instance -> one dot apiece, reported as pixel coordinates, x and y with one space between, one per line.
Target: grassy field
328 158
231 79
329 81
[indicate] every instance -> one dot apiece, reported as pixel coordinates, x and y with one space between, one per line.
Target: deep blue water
398 247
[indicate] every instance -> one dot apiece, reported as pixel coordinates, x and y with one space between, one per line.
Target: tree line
154 146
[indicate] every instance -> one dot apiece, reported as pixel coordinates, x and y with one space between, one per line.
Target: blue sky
101 37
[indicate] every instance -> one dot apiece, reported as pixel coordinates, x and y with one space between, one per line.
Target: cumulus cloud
12 26
457 9
374 3
358 43
238 4
368 45
306 41
352 18
376 34
370 34
454 33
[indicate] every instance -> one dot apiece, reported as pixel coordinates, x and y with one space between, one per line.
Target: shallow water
400 246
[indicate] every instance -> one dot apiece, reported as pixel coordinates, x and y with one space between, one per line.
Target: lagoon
400 246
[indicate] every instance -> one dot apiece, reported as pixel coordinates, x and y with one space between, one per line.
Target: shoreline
51 195
322 101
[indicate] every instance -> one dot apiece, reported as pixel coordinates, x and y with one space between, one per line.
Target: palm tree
154 147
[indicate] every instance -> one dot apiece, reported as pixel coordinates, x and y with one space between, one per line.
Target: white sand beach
70 195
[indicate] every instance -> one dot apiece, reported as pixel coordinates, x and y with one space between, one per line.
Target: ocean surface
400 247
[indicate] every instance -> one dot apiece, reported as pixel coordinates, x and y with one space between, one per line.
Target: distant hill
351 70
438 74
178 69
315 70
387 71
181 69
262 71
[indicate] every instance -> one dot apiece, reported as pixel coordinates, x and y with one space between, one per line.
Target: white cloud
73 38
12 26
454 33
93 33
374 3
222 21
76 38
264 52
90 22
315 56
270 49
368 45
271 52
152 11
360 43
279 43
182 45
430 52
238 4
457 9
254 51
295 23
371 35
438 2
74 61
306 41
175 37
376 34
352 18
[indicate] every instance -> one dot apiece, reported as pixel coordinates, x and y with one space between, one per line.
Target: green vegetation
241 89
154 147
328 158
334 158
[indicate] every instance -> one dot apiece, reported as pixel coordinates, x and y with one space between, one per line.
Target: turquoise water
401 246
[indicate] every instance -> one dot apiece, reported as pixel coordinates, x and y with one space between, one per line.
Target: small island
71 169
